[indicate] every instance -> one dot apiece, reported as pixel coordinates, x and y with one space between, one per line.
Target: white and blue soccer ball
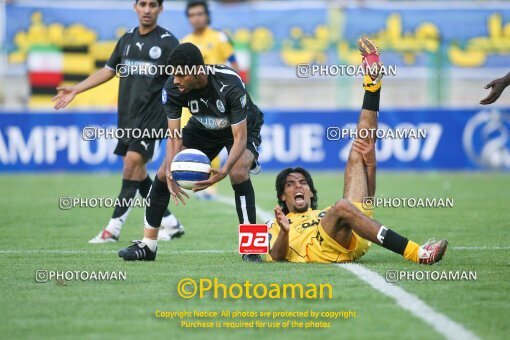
189 167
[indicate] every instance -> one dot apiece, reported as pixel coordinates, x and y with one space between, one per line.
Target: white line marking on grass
407 301
481 248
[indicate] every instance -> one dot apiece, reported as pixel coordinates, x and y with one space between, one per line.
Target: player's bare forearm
66 94
240 133
281 246
95 79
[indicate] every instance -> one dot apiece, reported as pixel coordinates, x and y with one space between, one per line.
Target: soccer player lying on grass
344 231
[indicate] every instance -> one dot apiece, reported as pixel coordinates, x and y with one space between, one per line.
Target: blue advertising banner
410 140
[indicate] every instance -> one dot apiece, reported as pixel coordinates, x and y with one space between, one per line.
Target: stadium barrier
409 139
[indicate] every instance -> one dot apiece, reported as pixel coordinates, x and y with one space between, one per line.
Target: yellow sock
368 84
411 251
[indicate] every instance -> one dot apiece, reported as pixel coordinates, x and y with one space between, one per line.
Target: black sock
127 193
159 198
371 100
392 241
145 186
245 202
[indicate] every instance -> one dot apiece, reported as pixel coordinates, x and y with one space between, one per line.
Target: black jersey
224 102
139 103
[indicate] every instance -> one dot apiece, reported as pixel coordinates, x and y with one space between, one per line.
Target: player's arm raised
65 94
281 245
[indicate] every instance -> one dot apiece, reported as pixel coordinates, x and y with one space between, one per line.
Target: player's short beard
301 210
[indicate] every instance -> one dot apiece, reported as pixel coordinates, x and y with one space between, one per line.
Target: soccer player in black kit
223 115
139 107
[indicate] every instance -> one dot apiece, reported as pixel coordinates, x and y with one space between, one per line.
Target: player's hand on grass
216 176
64 96
176 192
497 85
281 219
367 150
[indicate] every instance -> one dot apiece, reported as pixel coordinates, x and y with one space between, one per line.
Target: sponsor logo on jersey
155 52
243 101
213 123
220 106
164 96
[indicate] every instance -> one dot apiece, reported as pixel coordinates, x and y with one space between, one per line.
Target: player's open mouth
299 198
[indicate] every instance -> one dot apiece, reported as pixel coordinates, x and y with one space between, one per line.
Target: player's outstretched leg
345 216
359 182
159 197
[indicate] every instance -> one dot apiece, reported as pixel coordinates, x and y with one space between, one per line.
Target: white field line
411 303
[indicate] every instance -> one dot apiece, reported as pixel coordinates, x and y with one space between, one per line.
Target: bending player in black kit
223 115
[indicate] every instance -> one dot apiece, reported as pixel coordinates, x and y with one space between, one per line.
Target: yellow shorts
322 248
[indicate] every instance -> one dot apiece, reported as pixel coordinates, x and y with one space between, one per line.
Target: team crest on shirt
220 106
155 52
164 96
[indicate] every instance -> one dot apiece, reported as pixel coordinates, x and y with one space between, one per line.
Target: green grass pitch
37 235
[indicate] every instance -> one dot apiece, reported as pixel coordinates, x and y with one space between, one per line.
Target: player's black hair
195 3
186 54
160 2
280 187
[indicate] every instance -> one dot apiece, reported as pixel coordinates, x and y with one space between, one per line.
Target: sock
152 244
371 100
392 241
245 202
368 84
145 187
411 252
159 197
121 212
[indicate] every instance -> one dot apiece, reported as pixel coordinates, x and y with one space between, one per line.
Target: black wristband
371 100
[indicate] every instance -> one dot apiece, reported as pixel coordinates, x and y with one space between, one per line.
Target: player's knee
342 208
135 173
129 170
239 175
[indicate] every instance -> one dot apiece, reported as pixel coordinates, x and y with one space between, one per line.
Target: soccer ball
189 167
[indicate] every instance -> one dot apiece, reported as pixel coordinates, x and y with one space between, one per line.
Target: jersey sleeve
116 56
237 102
172 44
274 230
173 102
226 48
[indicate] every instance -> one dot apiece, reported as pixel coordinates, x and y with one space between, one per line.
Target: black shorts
144 147
211 142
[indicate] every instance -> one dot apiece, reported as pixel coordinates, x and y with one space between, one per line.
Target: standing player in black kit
139 107
222 115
